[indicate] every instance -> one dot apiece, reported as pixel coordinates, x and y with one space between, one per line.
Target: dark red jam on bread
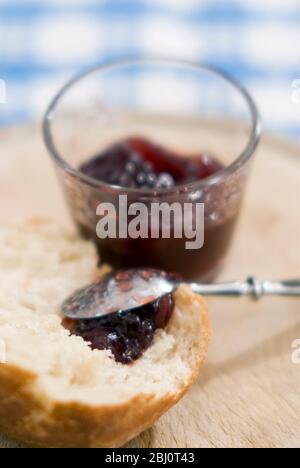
127 334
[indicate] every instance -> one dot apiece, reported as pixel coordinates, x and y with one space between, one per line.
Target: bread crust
25 416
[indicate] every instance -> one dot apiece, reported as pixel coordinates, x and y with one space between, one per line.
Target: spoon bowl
124 290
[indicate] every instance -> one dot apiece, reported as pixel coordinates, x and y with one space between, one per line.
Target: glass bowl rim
239 161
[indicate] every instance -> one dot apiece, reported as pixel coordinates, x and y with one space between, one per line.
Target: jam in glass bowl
155 131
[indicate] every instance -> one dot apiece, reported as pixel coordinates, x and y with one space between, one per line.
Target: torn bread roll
54 390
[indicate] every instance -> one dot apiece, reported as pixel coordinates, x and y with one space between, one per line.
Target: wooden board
249 392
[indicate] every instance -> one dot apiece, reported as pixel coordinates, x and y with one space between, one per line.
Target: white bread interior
54 390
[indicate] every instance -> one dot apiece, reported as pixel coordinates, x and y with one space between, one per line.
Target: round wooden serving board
248 394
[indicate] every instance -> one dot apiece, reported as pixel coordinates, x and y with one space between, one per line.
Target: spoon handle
251 287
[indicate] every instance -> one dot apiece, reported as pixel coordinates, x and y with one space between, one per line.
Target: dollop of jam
127 333
139 163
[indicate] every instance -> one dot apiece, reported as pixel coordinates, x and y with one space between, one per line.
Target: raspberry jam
126 333
136 163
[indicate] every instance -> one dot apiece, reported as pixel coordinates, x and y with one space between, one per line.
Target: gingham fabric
43 42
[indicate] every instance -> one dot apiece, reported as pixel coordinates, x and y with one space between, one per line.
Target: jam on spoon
95 313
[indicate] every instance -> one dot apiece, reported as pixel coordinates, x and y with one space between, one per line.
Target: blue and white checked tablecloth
43 42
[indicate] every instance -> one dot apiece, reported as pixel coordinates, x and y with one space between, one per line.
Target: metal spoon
127 290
